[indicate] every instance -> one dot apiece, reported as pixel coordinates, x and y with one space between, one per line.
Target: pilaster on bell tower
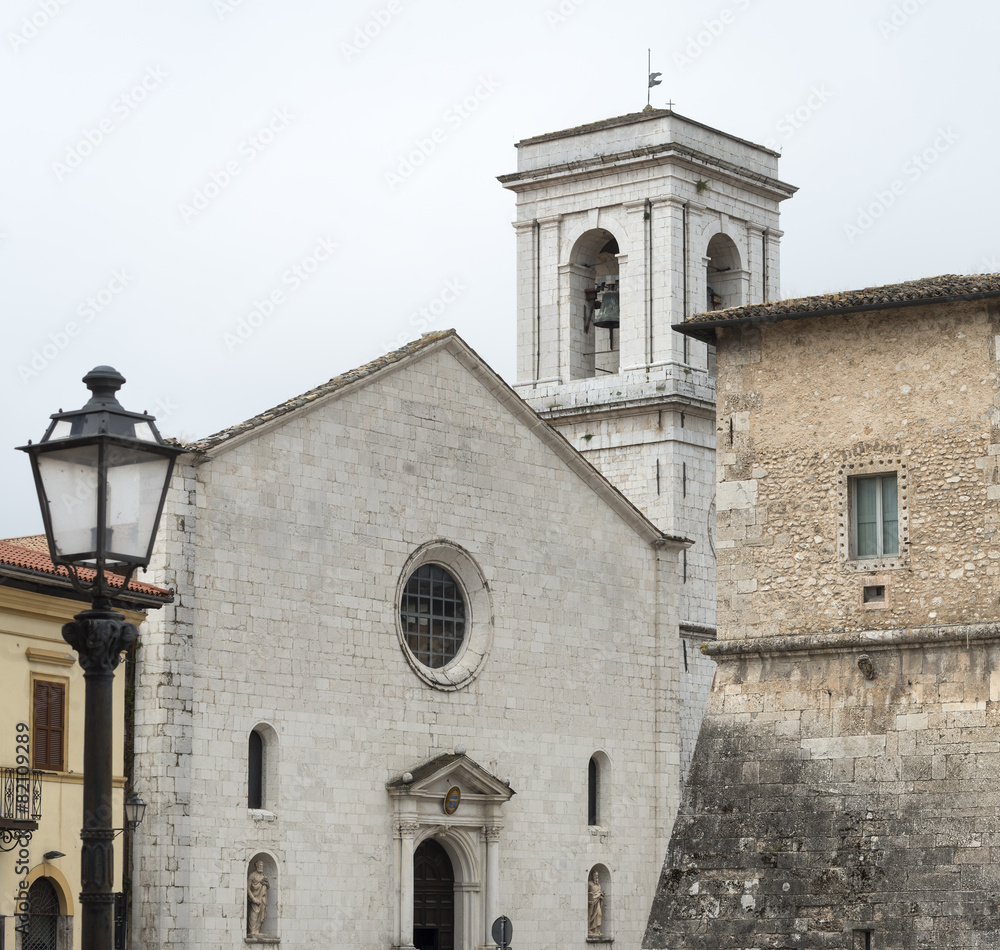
624 228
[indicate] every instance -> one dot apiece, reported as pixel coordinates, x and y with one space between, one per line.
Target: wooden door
433 898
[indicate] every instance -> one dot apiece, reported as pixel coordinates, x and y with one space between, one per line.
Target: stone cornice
652 155
902 638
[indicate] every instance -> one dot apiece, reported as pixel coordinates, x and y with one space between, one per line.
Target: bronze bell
608 315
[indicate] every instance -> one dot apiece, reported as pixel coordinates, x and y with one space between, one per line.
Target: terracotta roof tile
35 542
947 287
35 561
338 382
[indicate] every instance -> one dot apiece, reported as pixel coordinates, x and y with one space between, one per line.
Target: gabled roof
631 118
449 340
944 289
336 385
31 566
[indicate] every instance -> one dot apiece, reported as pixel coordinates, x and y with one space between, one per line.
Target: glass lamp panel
69 480
135 808
136 483
144 431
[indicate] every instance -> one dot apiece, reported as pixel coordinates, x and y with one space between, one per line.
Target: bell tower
624 228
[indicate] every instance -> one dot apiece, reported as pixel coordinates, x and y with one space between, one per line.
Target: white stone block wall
286 615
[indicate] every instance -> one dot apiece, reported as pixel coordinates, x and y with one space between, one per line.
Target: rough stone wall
843 790
805 404
822 804
288 616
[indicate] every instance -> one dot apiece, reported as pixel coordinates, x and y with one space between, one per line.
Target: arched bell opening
595 305
433 897
724 274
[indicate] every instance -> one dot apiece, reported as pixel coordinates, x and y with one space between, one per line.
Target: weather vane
654 79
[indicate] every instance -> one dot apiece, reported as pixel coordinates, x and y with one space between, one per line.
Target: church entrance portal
433 898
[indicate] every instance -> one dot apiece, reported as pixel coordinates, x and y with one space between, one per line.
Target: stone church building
843 792
434 655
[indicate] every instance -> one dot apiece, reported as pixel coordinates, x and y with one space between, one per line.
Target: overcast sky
169 166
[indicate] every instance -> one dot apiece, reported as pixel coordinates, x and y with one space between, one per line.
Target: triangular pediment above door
434 777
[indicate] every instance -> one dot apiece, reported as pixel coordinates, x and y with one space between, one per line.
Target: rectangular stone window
873 515
875 522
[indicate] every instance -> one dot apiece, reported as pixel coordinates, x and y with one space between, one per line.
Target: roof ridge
903 293
330 386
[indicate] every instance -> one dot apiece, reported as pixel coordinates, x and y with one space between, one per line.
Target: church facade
434 656
423 668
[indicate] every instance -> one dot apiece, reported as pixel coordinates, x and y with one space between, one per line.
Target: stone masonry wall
287 614
823 805
805 404
843 792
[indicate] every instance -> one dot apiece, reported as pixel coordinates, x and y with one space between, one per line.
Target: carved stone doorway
433 898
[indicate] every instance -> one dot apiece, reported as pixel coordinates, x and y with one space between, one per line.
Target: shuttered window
48 735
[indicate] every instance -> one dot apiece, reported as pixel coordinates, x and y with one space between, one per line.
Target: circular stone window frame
468 663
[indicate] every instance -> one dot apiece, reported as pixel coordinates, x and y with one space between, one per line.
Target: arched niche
601 930
593 278
270 890
724 274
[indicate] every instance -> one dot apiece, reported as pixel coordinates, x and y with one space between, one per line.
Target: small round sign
503 930
452 800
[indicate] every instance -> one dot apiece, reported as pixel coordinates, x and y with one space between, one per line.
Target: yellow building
41 747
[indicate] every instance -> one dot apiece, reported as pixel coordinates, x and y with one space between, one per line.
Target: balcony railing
20 795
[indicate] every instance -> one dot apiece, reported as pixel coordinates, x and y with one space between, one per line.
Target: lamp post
102 475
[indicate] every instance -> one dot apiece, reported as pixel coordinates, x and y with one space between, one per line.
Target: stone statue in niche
257 885
595 903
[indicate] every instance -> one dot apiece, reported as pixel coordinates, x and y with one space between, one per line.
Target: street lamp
135 809
102 475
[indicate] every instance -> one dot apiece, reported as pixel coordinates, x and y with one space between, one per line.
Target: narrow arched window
255 771
593 779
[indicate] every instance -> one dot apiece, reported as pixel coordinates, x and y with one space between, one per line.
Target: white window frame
854 481
860 466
